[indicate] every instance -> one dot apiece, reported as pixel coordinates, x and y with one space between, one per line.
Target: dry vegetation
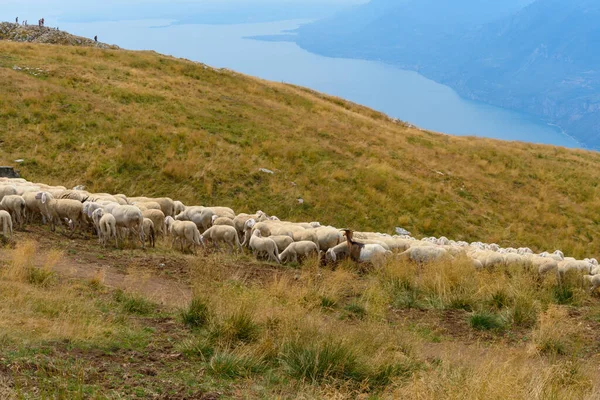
252 330
143 123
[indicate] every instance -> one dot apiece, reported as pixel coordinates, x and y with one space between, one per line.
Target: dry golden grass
144 123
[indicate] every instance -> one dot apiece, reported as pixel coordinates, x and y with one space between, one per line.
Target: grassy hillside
144 123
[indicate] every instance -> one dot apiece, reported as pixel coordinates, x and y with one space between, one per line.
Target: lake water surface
399 93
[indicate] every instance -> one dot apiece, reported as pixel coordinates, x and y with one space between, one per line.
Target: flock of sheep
119 217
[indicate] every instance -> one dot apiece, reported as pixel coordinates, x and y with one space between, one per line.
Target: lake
399 93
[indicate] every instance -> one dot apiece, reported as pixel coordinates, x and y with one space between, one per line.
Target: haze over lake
399 93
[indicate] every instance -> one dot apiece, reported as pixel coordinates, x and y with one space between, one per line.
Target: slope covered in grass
144 123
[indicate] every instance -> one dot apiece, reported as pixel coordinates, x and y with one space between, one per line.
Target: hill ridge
43 34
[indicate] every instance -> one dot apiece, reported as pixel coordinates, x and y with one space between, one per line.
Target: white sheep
131 219
294 250
200 216
259 245
62 209
179 207
158 219
6 223
328 237
107 228
7 190
594 280
15 205
306 235
424 254
185 231
223 233
216 220
281 241
148 227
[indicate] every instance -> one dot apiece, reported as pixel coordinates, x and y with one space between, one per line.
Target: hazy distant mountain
539 57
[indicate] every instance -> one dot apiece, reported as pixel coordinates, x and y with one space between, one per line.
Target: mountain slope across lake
537 57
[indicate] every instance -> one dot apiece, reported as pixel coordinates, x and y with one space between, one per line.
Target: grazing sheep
61 209
424 254
223 233
130 218
240 220
167 205
7 190
15 205
328 237
200 216
282 241
158 219
303 249
79 195
216 220
107 228
543 264
149 230
6 223
147 205
97 214
259 245
33 204
576 265
223 212
185 231
178 207
306 235
594 280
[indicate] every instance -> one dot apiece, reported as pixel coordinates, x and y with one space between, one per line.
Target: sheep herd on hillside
116 218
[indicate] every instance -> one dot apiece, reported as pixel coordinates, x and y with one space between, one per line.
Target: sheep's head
257 233
249 224
214 217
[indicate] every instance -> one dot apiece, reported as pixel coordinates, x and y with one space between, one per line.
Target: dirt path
156 274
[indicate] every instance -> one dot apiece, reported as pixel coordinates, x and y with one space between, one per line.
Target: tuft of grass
134 304
318 361
234 365
355 311
238 327
328 303
486 321
197 314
